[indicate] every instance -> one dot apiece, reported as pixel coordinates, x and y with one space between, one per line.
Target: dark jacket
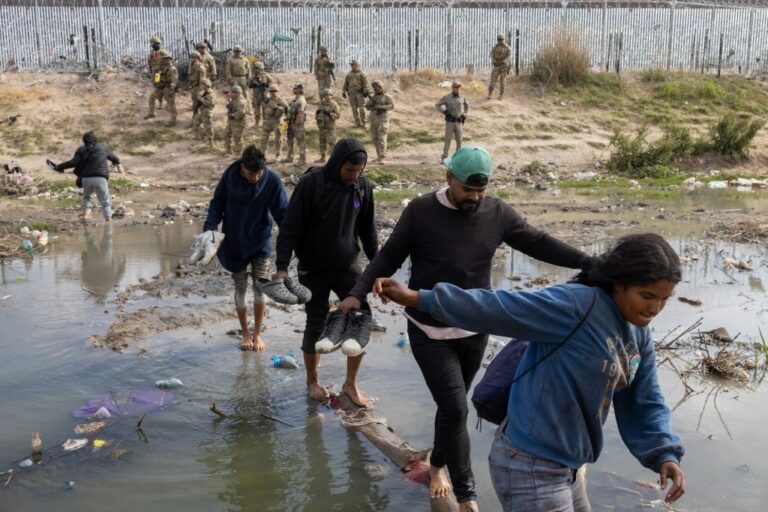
325 218
90 161
245 208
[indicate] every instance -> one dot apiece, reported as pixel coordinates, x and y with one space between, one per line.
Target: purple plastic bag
131 403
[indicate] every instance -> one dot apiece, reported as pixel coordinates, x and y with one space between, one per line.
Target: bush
535 167
564 61
655 76
637 158
732 136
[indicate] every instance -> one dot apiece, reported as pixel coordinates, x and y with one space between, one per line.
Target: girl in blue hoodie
609 359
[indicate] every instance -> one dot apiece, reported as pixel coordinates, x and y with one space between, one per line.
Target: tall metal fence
386 35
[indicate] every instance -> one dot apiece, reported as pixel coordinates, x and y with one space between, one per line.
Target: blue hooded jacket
245 208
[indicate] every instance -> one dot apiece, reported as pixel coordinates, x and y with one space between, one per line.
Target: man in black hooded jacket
329 216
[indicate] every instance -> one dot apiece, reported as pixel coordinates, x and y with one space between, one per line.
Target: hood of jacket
341 151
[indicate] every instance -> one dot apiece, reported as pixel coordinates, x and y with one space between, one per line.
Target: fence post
749 40
603 23
338 31
669 34
449 39
720 56
410 60
564 13
416 53
517 52
38 43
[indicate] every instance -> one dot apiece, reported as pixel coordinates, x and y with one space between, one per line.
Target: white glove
119 168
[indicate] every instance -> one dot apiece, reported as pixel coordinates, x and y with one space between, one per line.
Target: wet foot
468 506
358 398
439 484
258 344
247 343
317 392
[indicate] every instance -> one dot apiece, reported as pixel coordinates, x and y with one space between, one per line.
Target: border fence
386 35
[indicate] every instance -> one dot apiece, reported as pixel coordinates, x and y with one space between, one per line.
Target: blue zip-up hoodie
557 411
245 208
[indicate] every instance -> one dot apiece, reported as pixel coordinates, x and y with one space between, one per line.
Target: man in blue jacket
245 198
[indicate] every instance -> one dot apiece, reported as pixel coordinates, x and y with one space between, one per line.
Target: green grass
55 186
120 184
393 195
43 226
139 152
380 176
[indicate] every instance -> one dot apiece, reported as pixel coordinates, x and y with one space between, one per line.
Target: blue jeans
526 483
100 186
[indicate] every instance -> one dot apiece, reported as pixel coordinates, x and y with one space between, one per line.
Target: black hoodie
90 160
325 218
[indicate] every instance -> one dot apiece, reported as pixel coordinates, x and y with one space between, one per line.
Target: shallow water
193 461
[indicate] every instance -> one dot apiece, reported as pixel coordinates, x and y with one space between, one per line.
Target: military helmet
298 85
236 89
326 92
155 40
194 54
205 82
323 49
164 54
377 83
273 88
237 48
354 62
258 64
500 37
200 44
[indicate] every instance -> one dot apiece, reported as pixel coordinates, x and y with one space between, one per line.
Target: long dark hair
632 260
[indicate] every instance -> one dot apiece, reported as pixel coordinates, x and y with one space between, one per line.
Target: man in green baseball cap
451 236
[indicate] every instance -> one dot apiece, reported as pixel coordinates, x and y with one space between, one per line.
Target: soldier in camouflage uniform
237 70
209 63
274 109
260 82
324 67
153 61
206 99
236 115
454 107
356 88
380 103
325 116
500 60
296 118
166 86
196 74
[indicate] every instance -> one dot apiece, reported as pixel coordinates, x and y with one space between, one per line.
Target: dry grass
427 76
564 61
13 96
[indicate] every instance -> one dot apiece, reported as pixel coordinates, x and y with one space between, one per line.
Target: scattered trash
27 245
377 326
74 444
90 428
405 202
99 444
26 463
692 302
143 185
37 444
445 84
588 175
69 485
169 383
403 341
729 263
25 231
717 184
5 297
125 403
102 412
287 362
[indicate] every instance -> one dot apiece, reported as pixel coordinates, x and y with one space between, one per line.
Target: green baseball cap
471 165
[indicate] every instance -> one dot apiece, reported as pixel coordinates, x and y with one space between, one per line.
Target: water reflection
101 267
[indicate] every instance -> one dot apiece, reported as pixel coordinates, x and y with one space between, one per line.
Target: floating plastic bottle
69 485
26 463
27 245
403 341
37 444
169 383
287 362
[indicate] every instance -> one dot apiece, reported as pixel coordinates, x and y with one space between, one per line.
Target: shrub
564 61
637 158
655 76
535 167
732 136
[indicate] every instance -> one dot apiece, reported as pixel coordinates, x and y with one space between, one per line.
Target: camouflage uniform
196 74
260 82
296 118
207 101
500 59
326 115
165 88
356 88
154 62
236 112
454 107
274 109
323 68
209 63
237 71
379 104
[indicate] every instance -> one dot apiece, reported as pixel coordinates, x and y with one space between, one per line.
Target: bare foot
247 343
468 506
358 398
258 344
439 483
317 392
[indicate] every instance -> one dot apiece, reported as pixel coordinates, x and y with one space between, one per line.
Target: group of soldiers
369 104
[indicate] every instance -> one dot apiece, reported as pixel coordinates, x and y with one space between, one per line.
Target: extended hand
671 470
349 304
280 274
389 289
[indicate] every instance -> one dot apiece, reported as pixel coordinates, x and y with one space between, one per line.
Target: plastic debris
25 231
169 383
102 412
74 444
69 485
403 341
377 326
89 428
99 443
26 463
27 245
287 362
37 444
717 184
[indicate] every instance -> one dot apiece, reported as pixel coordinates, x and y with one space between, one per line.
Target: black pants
448 367
321 284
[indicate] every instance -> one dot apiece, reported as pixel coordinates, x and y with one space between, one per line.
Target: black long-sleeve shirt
457 247
326 218
90 161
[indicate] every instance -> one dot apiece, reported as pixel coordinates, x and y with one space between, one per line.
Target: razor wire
386 35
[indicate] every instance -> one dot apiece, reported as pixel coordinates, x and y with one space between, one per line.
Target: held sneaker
357 334
332 334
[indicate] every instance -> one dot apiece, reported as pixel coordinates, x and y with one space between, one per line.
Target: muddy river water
191 461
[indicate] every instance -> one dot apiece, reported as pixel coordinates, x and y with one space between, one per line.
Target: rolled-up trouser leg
259 270
241 287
